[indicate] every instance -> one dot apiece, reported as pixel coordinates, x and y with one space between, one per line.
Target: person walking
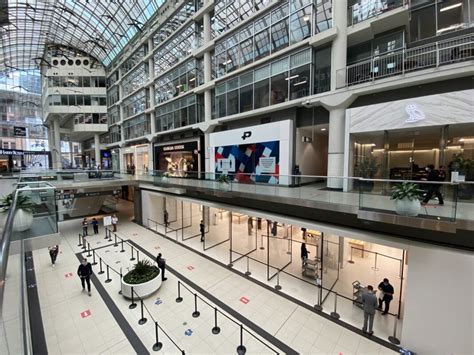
95 225
84 272
53 254
202 230
369 303
162 265
114 222
433 189
84 224
304 255
386 295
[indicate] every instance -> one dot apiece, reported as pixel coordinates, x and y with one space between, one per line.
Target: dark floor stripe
300 303
38 338
132 337
255 328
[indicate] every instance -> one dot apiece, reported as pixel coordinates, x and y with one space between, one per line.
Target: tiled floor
66 332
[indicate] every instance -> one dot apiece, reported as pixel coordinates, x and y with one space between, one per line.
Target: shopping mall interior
237 176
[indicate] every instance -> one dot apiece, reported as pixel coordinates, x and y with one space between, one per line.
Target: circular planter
407 207
144 289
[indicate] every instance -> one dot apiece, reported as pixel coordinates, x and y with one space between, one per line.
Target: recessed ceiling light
323 129
450 7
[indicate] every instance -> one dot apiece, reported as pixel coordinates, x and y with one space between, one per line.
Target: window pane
262 44
246 52
232 102
422 24
279 86
322 72
300 82
323 15
280 35
300 23
221 105
261 93
246 98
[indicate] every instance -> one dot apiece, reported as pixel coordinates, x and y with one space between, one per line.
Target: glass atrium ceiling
98 27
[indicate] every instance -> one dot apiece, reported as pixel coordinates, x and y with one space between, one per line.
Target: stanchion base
335 315
248 273
157 346
375 268
122 251
230 265
179 299
351 262
79 245
196 314
115 245
394 340
288 252
318 308
89 255
142 321
132 306
120 292
131 259
105 237
261 248
241 350
277 287
216 330
100 272
110 239
107 281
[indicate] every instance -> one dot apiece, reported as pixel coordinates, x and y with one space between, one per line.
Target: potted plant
367 169
465 167
144 278
407 197
223 180
24 211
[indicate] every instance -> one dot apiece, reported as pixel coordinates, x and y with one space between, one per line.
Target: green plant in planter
22 203
223 178
142 272
368 167
463 165
407 190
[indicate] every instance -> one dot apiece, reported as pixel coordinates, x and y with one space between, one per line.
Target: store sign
414 113
19 131
247 134
267 165
11 152
170 148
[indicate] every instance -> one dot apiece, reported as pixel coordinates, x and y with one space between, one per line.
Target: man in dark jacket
202 230
304 254
433 189
162 265
84 272
386 295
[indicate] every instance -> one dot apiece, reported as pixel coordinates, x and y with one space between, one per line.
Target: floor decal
190 267
158 301
244 300
68 275
86 313
188 332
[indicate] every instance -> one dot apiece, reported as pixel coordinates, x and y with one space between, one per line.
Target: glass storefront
136 159
177 159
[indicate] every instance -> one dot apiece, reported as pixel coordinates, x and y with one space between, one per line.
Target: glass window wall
173 23
135 79
179 113
136 127
114 115
112 96
76 81
134 104
133 60
115 134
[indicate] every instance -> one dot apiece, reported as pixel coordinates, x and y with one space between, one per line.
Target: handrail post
215 330
196 313
142 320
158 345
179 298
241 350
334 314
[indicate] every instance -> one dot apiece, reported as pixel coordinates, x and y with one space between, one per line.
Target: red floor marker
69 274
244 300
157 247
190 267
86 313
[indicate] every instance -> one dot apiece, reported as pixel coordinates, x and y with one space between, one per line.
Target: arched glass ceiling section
100 28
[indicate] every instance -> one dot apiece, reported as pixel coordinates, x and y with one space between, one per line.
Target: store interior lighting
450 7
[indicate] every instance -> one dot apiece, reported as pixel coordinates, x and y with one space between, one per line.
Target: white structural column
70 154
51 145
56 151
97 149
207 93
337 114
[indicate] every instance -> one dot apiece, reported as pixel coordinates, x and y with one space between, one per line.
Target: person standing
84 272
114 222
165 218
202 230
95 225
304 254
369 303
386 295
53 254
84 224
162 265
433 189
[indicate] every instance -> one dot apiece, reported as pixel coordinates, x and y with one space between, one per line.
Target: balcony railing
403 61
365 9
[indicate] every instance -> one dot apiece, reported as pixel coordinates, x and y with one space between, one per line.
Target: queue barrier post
277 286
133 304
115 242
318 306
84 243
241 350
350 260
108 276
334 314
142 320
248 273
196 313
131 250
138 256
179 298
123 250
106 233
100 266
80 241
89 249
158 345
215 330
110 236
121 284
375 265
93 257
